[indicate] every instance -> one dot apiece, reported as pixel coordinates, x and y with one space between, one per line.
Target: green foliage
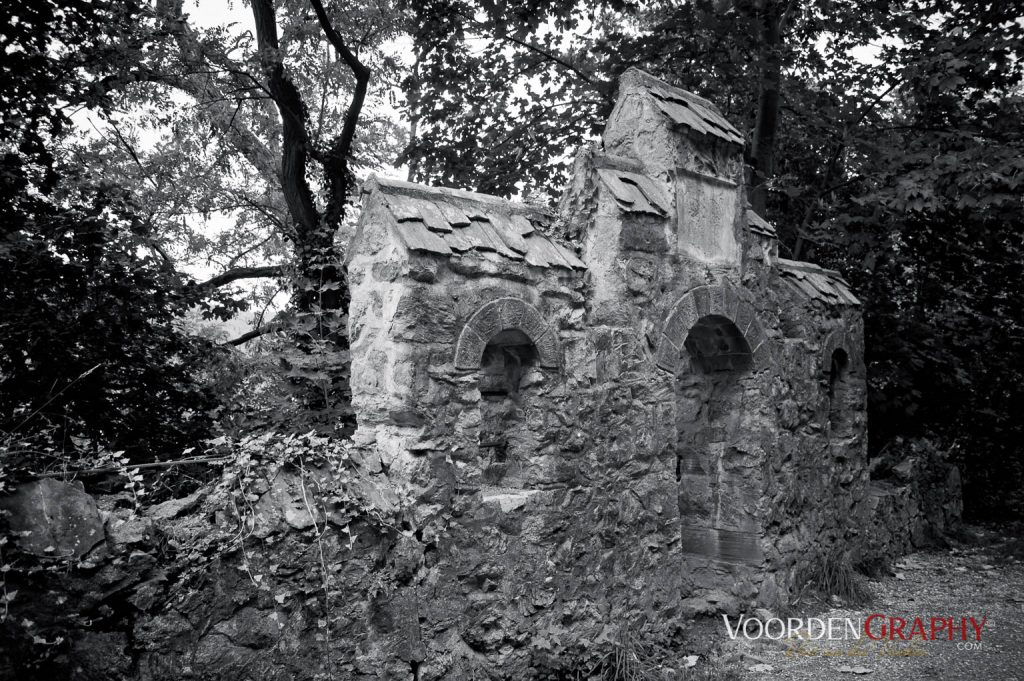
289 388
494 98
929 229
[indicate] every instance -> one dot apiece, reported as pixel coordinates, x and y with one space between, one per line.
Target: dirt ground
982 577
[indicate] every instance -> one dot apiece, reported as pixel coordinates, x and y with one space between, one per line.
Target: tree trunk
321 284
762 156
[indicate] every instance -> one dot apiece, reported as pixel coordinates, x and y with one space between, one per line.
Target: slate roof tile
417 237
450 221
636 193
757 224
818 283
688 110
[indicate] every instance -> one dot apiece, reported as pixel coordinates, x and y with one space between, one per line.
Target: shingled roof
687 109
758 225
452 222
636 193
817 283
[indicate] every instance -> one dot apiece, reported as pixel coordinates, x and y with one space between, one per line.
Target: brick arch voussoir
714 299
500 315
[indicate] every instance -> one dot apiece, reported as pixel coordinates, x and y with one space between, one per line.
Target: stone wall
666 420
671 423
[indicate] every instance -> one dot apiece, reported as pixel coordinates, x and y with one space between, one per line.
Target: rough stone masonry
666 416
567 445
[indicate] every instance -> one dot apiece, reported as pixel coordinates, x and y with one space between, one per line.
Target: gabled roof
687 109
451 222
817 283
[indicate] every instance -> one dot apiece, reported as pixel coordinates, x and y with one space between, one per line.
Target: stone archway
505 314
713 344
720 300
508 343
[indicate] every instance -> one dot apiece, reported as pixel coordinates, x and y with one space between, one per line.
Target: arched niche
717 484
716 346
716 359
507 359
509 344
505 315
838 339
721 302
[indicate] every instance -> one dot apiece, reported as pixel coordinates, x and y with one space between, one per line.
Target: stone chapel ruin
667 412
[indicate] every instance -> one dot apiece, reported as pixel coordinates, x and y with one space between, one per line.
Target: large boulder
53 518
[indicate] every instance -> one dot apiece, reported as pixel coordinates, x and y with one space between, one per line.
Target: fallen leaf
690 661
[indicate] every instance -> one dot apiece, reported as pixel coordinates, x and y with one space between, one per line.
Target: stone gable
651 413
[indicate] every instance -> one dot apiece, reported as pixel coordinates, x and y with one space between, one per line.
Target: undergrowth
833 576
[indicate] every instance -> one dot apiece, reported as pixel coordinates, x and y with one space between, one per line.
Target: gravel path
983 582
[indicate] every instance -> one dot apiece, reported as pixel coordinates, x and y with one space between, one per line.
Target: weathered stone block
718 304
470 349
732 302
702 300
744 316
762 355
487 322
547 350
643 234
682 319
668 354
56 519
724 545
513 311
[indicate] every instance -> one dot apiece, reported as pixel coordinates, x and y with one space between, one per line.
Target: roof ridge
804 265
389 185
650 81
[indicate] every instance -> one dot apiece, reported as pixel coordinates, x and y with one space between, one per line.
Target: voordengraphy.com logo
876 627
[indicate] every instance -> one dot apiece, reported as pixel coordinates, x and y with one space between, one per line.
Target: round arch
836 340
505 314
719 300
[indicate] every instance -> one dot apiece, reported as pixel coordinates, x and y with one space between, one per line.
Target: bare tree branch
237 273
255 333
336 162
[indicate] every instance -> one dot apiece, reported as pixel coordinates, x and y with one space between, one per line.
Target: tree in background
89 353
185 124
